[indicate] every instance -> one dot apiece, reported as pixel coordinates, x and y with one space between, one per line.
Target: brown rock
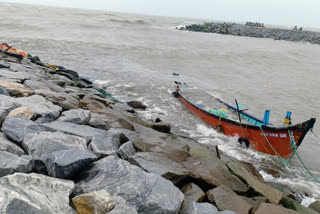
272 194
98 202
255 202
225 199
161 127
16 89
193 193
89 103
274 209
23 112
213 171
315 206
109 120
137 105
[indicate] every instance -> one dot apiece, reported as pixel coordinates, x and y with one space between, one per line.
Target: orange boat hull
279 138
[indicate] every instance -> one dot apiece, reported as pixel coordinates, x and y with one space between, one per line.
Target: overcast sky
282 12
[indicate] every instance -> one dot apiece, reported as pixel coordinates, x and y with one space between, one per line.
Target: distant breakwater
253 31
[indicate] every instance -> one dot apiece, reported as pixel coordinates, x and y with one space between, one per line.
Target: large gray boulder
67 163
44 85
45 110
159 164
225 199
122 207
6 105
148 193
15 128
8 146
10 163
62 99
34 194
200 208
41 145
107 144
77 116
75 129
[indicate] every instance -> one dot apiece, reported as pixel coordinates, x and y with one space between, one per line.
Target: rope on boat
286 162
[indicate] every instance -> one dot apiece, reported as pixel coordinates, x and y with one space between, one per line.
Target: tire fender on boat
244 140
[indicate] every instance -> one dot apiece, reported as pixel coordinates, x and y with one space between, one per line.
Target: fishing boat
281 141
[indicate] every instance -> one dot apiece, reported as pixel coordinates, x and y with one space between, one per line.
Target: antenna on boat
239 117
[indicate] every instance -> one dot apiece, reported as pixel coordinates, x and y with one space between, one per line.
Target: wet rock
8 146
95 106
23 112
64 100
146 192
16 89
44 85
15 128
45 110
200 208
269 192
3 91
161 127
225 199
126 150
315 206
270 208
137 105
10 163
159 164
294 205
106 144
214 172
67 163
41 145
60 80
34 194
286 191
34 59
6 105
74 129
98 202
77 116
109 120
3 64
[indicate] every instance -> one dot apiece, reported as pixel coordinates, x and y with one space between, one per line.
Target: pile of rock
66 149
256 30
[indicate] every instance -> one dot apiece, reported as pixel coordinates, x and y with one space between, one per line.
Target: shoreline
78 143
259 31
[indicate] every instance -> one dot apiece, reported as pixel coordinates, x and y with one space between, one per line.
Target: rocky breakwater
67 146
255 31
